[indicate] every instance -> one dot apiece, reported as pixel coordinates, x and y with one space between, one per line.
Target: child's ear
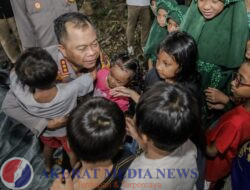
68 144
62 49
144 138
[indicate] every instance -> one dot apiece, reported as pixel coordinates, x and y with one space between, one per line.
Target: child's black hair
182 47
167 114
126 63
96 129
36 68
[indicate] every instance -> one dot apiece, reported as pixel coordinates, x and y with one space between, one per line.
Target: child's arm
131 131
211 150
215 96
57 123
123 91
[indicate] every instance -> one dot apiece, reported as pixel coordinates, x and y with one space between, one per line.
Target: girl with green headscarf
220 30
157 32
175 18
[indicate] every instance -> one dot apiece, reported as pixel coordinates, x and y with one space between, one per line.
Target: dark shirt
192 86
5 9
121 161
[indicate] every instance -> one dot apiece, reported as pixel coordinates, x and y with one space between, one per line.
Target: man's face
81 47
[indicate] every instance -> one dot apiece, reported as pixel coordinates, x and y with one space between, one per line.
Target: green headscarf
221 40
157 33
178 13
221 45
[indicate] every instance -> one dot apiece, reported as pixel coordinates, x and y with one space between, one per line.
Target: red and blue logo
16 173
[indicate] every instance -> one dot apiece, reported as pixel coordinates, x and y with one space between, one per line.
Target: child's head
153 6
36 68
96 130
166 115
176 57
210 8
241 81
175 18
162 17
164 7
122 71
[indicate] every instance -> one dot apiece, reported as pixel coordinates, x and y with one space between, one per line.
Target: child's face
161 17
210 8
248 50
118 77
153 6
166 66
241 83
172 25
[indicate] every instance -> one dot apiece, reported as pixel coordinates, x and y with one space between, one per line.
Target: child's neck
154 153
247 105
45 95
101 164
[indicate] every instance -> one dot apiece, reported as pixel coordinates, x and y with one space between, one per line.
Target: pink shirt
102 89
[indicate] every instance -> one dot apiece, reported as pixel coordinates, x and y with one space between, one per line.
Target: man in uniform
78 51
34 19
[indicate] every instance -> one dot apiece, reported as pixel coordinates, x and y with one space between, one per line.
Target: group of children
195 77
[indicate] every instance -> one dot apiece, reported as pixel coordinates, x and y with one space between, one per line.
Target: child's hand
130 128
64 182
215 106
123 91
57 123
214 96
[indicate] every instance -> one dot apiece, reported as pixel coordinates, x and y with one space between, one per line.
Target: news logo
16 173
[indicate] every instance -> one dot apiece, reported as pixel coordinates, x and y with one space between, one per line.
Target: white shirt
176 171
138 2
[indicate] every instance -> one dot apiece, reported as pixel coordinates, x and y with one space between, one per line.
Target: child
158 31
176 59
95 132
123 71
240 174
165 119
153 6
220 30
232 130
34 84
175 18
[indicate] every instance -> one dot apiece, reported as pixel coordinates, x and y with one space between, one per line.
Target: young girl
158 30
220 30
123 72
175 18
176 62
